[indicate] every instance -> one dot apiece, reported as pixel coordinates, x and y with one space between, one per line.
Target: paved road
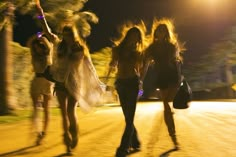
206 129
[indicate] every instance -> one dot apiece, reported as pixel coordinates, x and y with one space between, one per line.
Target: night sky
199 23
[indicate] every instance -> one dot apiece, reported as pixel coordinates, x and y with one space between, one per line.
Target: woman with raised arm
41 89
75 77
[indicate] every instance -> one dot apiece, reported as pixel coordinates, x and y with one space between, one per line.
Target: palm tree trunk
6 88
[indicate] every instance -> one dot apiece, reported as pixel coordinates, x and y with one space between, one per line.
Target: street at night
99 53
205 129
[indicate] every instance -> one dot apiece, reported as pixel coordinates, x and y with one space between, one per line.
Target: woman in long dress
75 77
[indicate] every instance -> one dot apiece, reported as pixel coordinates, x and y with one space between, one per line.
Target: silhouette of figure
127 57
75 78
41 89
164 53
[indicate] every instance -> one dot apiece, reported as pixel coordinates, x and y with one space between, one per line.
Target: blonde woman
165 50
127 58
75 77
41 89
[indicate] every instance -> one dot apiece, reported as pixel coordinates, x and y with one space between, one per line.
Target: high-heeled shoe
134 148
67 141
121 153
174 140
135 145
74 134
40 137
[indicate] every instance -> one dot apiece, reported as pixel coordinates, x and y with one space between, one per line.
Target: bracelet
40 17
39 34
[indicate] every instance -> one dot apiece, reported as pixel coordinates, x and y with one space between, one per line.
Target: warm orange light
37 2
211 8
213 2
234 87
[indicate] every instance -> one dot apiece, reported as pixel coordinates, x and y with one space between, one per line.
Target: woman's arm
46 29
114 58
113 63
172 55
147 61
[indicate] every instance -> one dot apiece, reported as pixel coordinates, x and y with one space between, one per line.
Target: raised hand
39 8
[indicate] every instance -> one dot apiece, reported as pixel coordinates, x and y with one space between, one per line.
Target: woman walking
164 52
75 77
41 89
127 57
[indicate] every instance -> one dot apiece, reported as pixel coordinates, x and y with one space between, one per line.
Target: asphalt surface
205 129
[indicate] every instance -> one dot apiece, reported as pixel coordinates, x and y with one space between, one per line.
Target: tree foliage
215 68
58 12
101 60
22 74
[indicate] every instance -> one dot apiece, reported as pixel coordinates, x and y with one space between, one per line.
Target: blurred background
208 29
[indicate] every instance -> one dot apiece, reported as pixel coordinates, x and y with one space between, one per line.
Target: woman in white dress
75 77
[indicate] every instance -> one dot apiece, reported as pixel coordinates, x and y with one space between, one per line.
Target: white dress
80 79
83 83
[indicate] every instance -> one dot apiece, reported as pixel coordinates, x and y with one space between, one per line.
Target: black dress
166 66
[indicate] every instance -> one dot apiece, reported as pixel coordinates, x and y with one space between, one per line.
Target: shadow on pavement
167 153
65 154
19 151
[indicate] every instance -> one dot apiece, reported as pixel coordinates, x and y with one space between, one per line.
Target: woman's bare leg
35 113
168 115
46 112
45 105
62 99
35 120
73 119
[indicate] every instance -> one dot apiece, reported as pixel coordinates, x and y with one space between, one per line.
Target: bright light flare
213 106
213 2
210 4
211 9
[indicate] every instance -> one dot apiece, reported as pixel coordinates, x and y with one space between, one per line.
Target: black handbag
183 96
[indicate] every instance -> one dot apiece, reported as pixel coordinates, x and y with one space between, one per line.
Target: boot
74 134
40 137
67 142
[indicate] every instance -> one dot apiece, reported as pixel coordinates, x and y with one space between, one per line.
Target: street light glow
210 9
210 4
213 2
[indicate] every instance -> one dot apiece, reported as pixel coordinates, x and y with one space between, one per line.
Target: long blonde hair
124 31
172 37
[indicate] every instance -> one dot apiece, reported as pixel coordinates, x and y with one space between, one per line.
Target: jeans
128 91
